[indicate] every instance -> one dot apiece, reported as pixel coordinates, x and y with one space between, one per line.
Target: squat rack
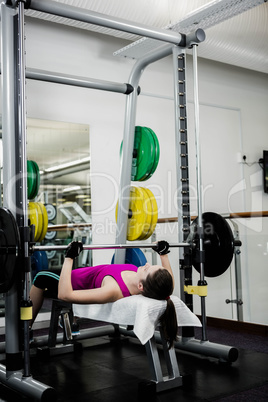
14 142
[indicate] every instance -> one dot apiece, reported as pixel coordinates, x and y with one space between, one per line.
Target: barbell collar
106 246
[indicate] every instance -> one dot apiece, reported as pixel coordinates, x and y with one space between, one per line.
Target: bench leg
65 311
174 379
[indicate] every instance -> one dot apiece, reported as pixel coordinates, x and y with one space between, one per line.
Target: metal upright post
199 191
183 203
238 273
15 192
9 127
26 305
128 142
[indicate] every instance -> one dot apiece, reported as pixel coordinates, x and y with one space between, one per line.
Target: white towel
141 312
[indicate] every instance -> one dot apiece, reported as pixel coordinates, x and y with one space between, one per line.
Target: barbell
217 237
107 246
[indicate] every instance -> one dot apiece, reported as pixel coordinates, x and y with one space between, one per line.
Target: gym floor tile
118 370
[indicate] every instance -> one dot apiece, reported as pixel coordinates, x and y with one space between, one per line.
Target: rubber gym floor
117 370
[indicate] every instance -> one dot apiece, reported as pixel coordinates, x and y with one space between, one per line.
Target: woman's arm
166 264
162 248
65 283
105 294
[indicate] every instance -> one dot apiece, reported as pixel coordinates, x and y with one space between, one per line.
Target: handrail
233 215
68 226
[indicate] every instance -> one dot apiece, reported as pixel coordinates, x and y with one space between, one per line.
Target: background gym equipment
50 234
51 212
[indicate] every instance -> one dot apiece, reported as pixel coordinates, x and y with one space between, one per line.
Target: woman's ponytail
159 286
168 321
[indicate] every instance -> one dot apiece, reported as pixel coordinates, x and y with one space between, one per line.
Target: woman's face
147 269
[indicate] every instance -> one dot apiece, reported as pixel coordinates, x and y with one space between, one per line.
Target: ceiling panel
241 40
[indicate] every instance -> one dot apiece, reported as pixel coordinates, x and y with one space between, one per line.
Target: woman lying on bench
108 283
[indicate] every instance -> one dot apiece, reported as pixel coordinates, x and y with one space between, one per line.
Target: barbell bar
107 246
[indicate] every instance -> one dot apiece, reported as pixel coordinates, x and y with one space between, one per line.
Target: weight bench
135 315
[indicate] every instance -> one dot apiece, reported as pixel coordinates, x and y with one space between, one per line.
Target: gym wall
233 121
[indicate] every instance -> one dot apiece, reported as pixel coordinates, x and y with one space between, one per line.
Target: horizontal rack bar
91 17
84 82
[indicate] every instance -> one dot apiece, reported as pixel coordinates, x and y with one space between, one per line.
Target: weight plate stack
153 214
38 216
143 214
156 153
33 179
143 154
146 154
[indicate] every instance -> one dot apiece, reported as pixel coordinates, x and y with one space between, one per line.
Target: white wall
233 120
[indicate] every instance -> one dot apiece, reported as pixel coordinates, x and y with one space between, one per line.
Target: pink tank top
92 277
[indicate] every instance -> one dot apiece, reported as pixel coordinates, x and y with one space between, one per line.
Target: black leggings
48 281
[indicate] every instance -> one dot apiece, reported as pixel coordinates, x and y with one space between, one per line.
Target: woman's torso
95 277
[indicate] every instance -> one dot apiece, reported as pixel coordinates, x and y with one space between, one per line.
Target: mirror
62 153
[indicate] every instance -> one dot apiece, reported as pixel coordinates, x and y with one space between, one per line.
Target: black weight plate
9 237
218 244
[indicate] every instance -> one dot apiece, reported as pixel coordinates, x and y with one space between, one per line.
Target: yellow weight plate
33 217
138 217
147 207
40 221
154 214
45 221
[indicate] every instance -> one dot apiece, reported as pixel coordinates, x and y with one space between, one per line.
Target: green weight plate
145 153
34 193
36 179
157 153
30 179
